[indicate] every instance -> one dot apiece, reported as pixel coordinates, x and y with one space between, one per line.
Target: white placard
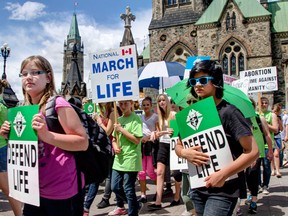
114 75
261 79
23 171
176 163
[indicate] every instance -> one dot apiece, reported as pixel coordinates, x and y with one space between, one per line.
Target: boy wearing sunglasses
219 197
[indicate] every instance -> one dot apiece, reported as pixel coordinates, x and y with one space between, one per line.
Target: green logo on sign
19 124
194 119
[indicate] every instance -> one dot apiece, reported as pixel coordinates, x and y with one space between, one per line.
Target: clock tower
72 78
73 38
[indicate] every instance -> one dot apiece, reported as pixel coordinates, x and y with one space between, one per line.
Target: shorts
163 155
3 159
278 143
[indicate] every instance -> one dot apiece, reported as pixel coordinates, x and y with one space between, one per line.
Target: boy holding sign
219 196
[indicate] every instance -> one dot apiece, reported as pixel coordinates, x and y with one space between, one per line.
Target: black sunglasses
202 80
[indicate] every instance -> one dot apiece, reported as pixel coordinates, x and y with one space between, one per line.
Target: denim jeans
69 207
123 185
266 171
91 194
212 205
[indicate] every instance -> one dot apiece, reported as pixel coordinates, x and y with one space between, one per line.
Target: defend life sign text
23 173
200 126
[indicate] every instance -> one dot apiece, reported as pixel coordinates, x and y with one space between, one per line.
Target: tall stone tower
72 78
73 37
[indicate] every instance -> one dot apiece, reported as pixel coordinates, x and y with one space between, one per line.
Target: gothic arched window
227 22
233 20
233 65
233 58
225 64
241 66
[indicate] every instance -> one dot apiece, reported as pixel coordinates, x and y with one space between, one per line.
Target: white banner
261 79
114 75
23 175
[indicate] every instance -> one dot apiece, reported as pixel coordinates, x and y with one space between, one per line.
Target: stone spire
127 37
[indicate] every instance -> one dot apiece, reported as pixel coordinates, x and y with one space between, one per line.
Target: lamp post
5 52
9 95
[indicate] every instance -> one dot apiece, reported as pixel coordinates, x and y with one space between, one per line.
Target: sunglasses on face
202 80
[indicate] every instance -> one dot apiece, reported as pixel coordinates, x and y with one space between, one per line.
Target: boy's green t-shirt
130 159
3 117
268 117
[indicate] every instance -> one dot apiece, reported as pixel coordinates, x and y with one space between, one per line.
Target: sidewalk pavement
274 204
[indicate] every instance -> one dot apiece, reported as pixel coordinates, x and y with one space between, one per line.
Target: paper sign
23 172
201 126
114 75
89 108
261 79
176 163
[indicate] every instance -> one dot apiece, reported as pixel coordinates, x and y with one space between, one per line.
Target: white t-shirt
149 124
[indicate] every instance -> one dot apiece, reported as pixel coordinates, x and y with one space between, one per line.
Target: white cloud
47 39
28 11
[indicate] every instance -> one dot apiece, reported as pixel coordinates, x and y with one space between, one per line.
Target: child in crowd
127 163
106 120
219 196
150 121
59 194
163 157
15 204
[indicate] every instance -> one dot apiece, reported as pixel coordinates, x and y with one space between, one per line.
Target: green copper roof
249 8
74 31
279 16
146 52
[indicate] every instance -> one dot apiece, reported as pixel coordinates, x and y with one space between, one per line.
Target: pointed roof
127 37
74 31
146 52
279 16
249 9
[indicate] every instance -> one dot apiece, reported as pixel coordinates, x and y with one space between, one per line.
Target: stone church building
240 34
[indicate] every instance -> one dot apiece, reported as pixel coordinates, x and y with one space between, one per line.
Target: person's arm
5 129
115 146
249 155
127 134
274 127
267 136
75 137
286 133
280 123
192 154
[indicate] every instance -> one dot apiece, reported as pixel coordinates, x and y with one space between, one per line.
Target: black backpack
94 161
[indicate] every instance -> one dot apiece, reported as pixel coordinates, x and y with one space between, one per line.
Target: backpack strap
55 126
52 116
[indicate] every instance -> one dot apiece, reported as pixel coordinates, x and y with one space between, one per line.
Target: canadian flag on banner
126 51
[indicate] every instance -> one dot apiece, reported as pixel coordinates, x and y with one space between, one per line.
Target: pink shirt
57 170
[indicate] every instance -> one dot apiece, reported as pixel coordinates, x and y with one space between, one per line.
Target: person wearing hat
219 196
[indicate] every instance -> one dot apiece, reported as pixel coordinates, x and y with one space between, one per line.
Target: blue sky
41 27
